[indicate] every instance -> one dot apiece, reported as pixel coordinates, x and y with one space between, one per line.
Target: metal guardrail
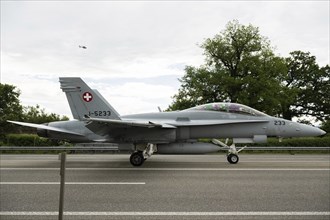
59 148
115 148
289 148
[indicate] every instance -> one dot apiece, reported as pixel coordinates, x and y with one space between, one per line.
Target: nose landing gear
232 155
232 158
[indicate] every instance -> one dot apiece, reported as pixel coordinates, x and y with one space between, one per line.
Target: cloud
132 97
136 51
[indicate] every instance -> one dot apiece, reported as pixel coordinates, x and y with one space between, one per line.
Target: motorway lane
170 161
203 184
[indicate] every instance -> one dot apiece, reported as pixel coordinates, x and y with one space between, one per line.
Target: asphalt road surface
263 186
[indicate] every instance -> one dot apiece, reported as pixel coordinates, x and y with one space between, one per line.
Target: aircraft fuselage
264 126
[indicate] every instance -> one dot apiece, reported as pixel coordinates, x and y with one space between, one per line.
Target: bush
298 142
288 142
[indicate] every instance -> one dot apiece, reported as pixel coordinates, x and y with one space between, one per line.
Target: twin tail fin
85 102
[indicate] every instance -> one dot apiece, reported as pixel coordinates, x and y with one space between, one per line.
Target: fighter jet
176 132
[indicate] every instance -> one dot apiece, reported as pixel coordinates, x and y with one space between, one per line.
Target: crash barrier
115 148
288 148
58 148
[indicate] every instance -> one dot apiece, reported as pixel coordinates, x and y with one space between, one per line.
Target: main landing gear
232 155
138 157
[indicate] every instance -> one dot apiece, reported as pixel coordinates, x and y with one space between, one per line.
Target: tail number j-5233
99 113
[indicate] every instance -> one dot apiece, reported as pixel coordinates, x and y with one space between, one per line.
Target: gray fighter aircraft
177 132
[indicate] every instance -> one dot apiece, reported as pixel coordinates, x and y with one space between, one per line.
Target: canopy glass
228 107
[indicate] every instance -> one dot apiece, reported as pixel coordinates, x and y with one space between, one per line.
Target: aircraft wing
127 123
45 127
103 126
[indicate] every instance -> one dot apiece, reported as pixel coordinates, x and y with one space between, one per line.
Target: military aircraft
176 132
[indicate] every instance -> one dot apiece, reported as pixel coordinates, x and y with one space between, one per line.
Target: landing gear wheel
232 158
137 159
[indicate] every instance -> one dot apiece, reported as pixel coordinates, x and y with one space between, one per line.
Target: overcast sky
136 50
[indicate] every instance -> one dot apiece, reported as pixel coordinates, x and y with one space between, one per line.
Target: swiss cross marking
87 97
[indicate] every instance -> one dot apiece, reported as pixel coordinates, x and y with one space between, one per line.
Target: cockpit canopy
227 107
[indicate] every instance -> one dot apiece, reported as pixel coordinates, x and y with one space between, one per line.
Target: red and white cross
87 97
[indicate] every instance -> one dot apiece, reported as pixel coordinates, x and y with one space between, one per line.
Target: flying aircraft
82 47
176 132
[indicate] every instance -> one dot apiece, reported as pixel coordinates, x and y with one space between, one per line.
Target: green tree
326 126
38 115
240 67
306 87
10 107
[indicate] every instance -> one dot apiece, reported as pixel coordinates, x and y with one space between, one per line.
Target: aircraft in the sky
176 132
82 47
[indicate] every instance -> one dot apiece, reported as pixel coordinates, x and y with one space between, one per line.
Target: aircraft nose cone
322 132
308 130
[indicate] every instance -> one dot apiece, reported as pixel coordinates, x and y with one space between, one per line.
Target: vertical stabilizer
85 101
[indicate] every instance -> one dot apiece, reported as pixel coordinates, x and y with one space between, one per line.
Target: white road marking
169 213
73 183
172 169
255 160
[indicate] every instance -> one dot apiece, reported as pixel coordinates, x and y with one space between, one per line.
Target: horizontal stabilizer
45 127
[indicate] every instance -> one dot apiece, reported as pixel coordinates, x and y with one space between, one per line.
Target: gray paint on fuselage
187 131
270 126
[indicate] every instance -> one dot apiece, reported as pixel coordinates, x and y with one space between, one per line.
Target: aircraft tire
137 159
233 158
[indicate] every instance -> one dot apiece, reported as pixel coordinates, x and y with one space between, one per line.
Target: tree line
241 66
